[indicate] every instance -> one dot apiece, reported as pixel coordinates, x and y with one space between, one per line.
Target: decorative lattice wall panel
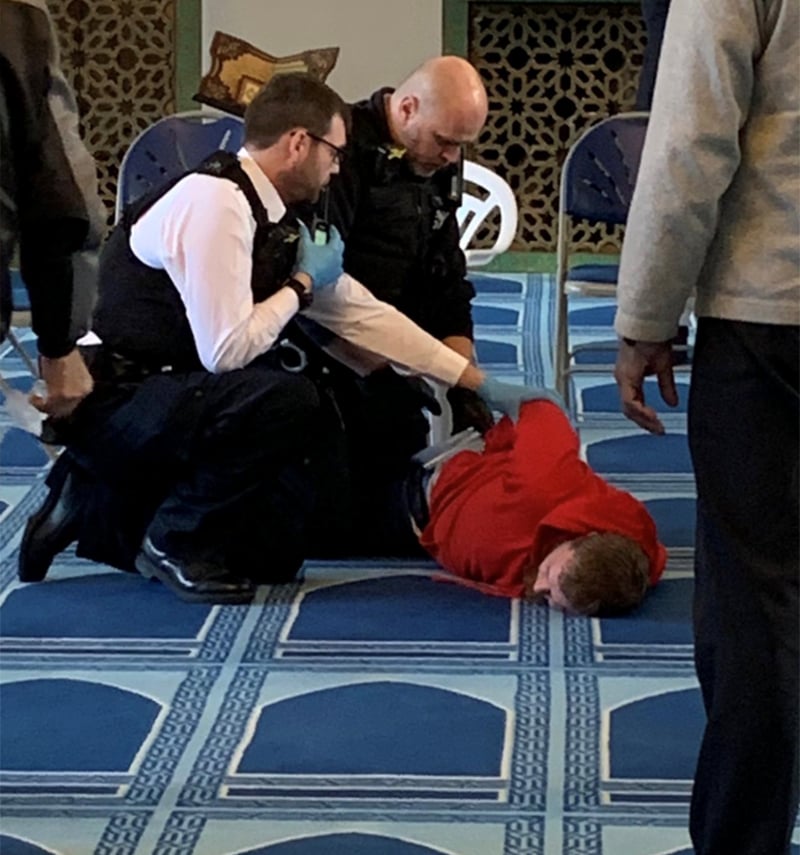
119 56
551 71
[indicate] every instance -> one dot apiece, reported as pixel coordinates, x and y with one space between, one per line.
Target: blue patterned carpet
367 709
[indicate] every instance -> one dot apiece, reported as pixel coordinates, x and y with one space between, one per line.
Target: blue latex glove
322 263
507 397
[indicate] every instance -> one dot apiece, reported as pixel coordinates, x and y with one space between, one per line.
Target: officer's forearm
460 344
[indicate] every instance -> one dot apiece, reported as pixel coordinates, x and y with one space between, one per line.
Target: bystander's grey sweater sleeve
49 180
64 110
686 186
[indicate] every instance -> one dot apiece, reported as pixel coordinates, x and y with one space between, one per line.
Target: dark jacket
400 230
49 207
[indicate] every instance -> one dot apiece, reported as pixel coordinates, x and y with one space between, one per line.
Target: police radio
320 228
457 182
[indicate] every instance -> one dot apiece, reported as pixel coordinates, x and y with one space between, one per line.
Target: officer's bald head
438 108
449 84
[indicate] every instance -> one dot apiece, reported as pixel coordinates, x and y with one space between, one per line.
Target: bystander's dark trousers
214 466
743 430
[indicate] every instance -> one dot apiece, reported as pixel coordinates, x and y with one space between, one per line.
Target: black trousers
743 430
384 426
215 466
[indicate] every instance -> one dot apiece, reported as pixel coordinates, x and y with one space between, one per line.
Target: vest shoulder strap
222 164
226 165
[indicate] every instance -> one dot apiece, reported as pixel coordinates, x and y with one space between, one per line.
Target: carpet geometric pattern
368 708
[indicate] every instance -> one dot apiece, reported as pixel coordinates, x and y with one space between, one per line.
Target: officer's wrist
304 294
472 378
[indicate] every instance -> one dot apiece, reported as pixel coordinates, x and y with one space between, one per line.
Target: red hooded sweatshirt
491 512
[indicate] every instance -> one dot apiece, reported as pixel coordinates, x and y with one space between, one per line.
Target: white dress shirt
201 233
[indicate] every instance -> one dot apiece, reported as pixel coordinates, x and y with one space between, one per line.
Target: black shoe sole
150 570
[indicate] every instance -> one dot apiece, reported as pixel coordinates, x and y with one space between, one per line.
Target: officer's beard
299 185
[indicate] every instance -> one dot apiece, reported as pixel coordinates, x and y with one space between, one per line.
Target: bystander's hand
635 361
68 382
322 263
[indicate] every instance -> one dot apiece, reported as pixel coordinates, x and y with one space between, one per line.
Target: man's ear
296 141
408 108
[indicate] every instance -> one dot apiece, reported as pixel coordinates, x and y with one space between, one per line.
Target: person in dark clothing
395 203
654 15
49 206
199 429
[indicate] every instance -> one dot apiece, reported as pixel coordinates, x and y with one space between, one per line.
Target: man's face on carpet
546 585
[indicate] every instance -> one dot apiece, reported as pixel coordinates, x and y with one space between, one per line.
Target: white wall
379 41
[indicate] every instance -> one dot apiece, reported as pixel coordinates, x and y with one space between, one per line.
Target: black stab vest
140 314
397 246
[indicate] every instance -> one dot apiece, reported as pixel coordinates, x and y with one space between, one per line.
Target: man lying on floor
525 516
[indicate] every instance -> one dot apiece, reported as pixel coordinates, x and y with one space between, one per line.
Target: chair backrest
599 174
475 209
20 299
171 146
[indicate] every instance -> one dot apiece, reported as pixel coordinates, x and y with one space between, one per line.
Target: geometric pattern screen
119 57
551 70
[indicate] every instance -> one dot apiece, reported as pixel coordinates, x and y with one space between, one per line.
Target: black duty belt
293 353
109 366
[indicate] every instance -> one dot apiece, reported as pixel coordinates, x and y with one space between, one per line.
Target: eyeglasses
339 154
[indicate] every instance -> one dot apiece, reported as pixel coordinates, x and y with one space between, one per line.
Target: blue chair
171 146
485 192
597 182
21 317
493 194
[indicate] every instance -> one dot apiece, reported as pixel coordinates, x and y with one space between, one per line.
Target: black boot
55 525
